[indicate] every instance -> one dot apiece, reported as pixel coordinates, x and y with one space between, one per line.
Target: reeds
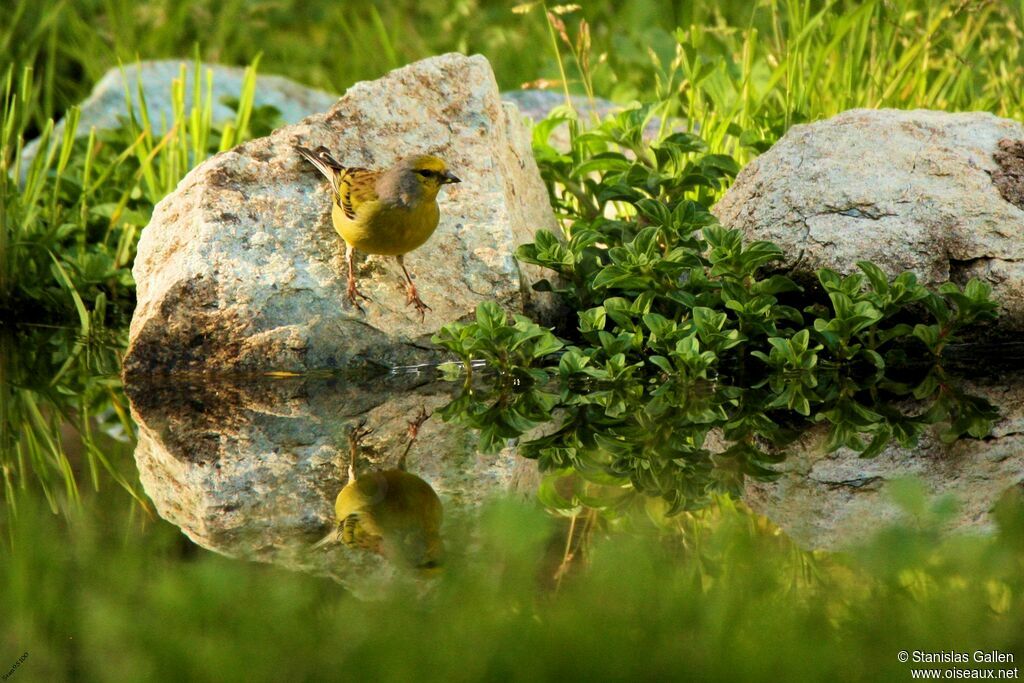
70 216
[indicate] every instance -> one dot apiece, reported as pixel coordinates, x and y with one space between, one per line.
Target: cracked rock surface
241 270
829 501
909 190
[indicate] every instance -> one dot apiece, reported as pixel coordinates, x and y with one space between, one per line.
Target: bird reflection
389 512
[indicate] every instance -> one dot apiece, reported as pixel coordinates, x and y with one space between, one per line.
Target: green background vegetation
828 56
106 591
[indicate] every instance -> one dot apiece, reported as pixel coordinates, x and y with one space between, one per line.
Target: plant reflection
687 440
62 412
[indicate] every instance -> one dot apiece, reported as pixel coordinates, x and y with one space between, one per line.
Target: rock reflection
826 500
253 468
264 469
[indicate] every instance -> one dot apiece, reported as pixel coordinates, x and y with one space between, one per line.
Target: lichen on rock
1009 177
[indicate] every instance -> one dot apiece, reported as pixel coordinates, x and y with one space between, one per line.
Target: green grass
725 598
70 218
744 81
326 44
807 58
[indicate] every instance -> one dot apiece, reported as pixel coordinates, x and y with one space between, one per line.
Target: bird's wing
356 186
352 187
321 158
356 533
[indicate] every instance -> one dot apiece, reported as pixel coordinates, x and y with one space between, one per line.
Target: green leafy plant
683 330
512 349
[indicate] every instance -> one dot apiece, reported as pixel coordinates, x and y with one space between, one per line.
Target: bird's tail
334 536
321 158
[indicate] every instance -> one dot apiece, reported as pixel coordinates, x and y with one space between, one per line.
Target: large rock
105 107
909 190
240 268
538 104
832 500
251 469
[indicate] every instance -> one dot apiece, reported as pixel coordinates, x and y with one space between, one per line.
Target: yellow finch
387 212
390 512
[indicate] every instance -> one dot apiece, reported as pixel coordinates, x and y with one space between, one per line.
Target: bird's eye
426 173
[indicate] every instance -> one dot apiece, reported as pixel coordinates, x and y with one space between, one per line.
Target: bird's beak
449 178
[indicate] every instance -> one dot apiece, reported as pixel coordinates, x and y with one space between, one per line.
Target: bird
389 512
389 212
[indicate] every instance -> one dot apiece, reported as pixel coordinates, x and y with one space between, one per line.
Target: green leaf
490 317
929 334
878 279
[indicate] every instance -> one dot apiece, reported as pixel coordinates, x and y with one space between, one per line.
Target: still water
359 477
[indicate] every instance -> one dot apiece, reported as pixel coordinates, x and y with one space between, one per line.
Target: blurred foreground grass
101 597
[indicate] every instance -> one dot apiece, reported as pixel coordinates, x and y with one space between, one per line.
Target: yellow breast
389 231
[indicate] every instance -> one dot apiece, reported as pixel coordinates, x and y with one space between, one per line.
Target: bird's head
419 548
428 173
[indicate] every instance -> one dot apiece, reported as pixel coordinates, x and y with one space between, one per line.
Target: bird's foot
412 298
354 295
417 422
357 433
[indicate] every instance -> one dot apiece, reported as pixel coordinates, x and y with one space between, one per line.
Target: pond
251 466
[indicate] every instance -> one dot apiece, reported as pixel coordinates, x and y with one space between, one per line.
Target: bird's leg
355 436
353 294
414 431
412 297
